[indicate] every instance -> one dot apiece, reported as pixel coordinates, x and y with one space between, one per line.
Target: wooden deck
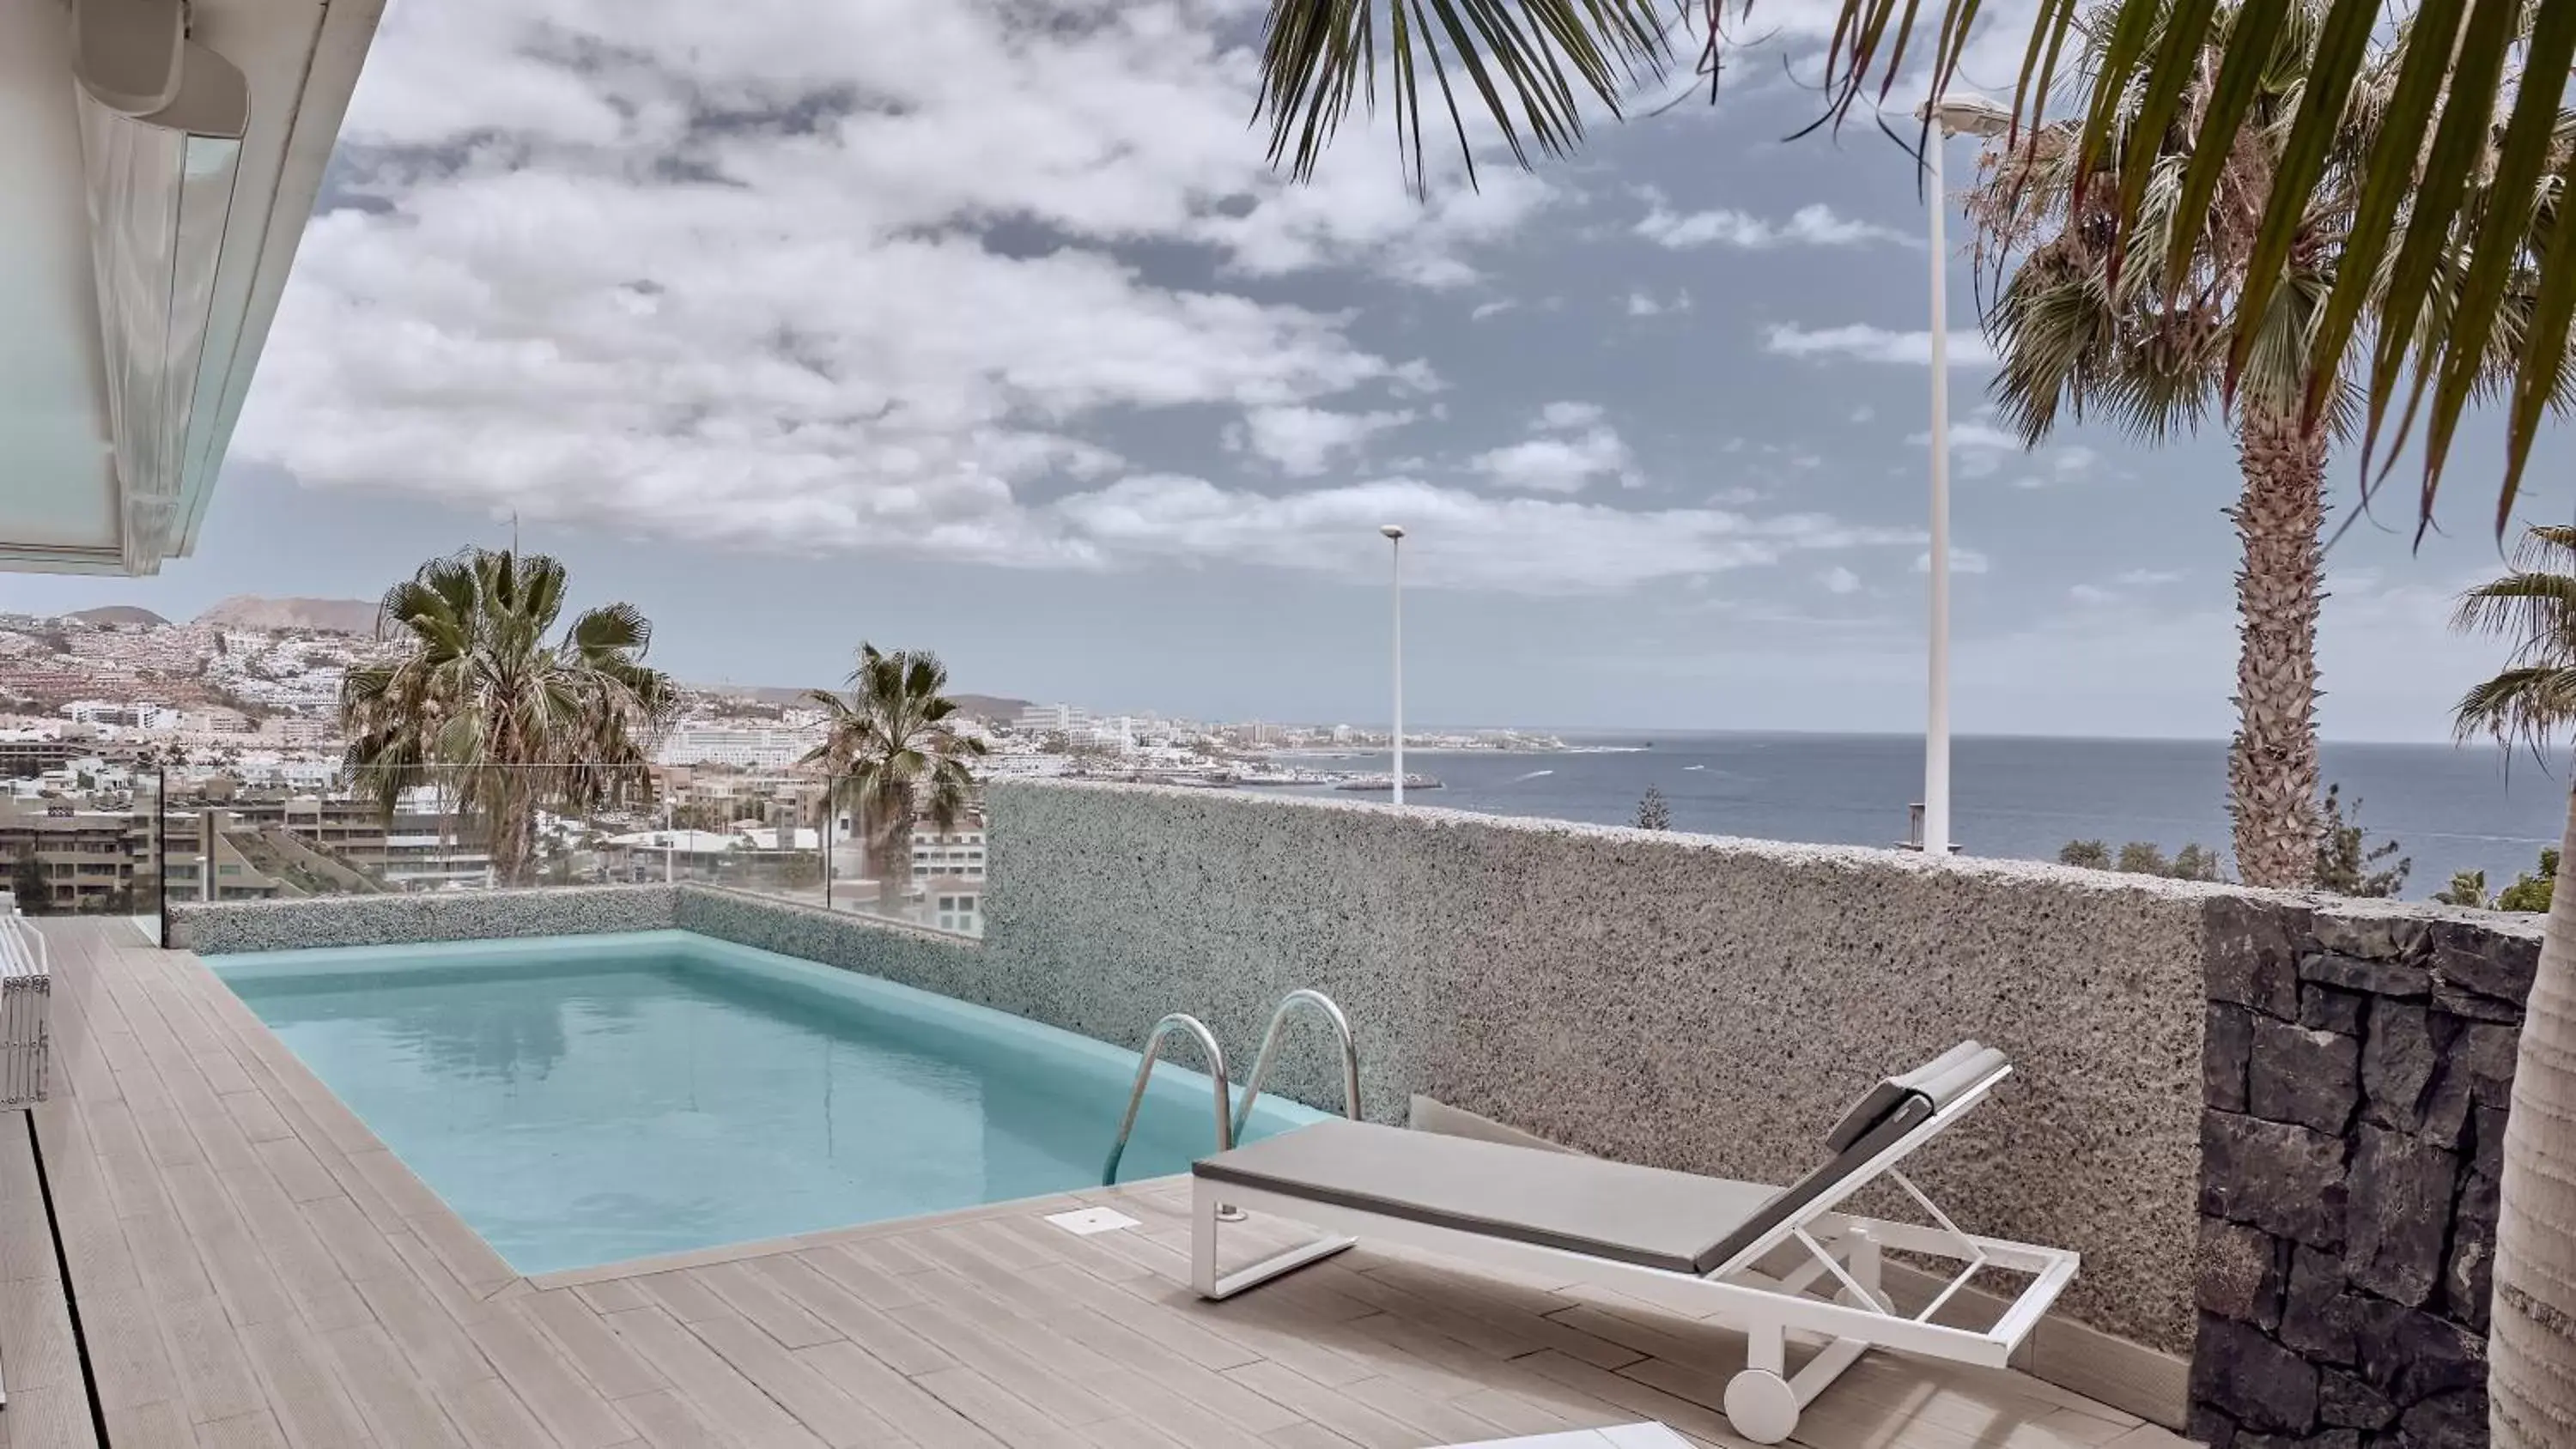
250 1267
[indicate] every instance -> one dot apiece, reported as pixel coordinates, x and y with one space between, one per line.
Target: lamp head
1391 530
1965 113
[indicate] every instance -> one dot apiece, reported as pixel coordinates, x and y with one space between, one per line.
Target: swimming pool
590 1099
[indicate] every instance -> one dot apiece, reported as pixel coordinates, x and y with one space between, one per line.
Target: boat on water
1386 783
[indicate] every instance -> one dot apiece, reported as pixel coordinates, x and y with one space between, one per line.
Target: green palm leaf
2471 265
479 701
894 755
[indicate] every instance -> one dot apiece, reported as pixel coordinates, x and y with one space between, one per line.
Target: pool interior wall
594 1099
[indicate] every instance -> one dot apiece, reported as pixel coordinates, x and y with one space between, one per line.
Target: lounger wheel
1761 1406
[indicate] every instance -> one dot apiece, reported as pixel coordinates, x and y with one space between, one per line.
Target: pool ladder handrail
1303 996
1215 1054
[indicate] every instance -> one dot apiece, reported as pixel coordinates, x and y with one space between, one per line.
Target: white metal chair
1665 1236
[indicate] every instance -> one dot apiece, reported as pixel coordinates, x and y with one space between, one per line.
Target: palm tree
893 753
2434 259
2534 606
2094 318
2137 323
481 703
2530 703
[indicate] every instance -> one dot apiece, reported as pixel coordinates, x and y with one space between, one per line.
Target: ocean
2449 808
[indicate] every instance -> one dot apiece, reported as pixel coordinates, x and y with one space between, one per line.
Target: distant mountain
119 614
308 616
996 707
999 708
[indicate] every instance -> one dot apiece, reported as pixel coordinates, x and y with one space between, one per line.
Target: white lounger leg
1205 1197
1764 1401
1759 1401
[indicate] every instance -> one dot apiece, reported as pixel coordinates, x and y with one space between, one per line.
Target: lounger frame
1763 1402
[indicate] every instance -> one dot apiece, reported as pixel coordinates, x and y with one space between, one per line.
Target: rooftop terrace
249 1266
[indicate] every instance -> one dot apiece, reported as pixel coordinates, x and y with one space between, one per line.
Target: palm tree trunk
2272 771
2531 1345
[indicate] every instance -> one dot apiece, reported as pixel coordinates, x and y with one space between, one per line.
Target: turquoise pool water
585 1100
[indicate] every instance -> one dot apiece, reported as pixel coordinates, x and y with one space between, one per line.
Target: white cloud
2149 578
1647 304
1569 415
1863 413
2070 463
1455 538
1491 309
2092 595
1807 226
1304 441
1978 449
1962 561
1865 343
1839 580
1737 496
1976 435
732 277
1564 463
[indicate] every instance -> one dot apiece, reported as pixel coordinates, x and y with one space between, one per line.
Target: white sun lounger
1665 1237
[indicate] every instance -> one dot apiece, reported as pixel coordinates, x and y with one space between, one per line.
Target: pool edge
827 1237
1171 1079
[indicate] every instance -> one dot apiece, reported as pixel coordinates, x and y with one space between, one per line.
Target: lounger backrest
1879 1120
1891 1092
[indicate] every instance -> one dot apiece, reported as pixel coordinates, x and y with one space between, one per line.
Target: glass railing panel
919 871
218 836
143 852
80 843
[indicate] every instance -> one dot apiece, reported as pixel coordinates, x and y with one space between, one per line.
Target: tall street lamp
1958 114
1395 545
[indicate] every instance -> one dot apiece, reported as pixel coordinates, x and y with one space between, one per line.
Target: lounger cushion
1613 1210
1891 1092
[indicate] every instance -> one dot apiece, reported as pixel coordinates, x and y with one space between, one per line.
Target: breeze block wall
2358 1065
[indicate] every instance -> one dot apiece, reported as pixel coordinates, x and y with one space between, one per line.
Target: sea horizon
2450 807
1603 733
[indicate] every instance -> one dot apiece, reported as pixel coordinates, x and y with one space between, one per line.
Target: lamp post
1395 555
1959 114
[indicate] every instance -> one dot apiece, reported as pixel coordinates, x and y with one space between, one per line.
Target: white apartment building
743 748
1059 718
124 716
948 853
299 731
954 905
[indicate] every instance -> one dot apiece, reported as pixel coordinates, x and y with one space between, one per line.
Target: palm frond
2484 232
1532 64
2534 607
483 705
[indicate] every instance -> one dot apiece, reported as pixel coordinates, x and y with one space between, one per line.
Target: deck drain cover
1092 1220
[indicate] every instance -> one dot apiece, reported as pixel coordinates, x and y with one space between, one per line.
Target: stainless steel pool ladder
1270 1050
1230 1123
1208 1048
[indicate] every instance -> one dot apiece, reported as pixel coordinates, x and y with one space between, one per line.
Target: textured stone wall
224 927
932 961
2356 1073
1709 1005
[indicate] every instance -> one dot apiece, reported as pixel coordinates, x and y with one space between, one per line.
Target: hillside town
205 760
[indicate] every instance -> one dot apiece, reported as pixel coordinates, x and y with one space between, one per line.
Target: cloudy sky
984 327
